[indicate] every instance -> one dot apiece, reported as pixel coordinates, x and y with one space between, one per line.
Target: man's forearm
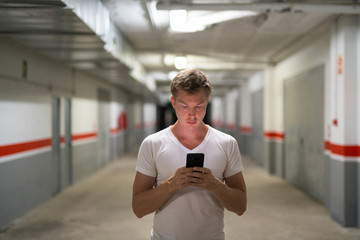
233 199
150 200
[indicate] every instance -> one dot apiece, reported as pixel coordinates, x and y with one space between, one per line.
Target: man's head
190 94
190 81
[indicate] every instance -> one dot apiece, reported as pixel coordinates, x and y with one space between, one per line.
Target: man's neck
189 133
189 137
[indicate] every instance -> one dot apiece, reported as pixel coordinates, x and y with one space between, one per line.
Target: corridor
99 207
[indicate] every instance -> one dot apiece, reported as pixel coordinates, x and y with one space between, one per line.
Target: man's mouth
191 121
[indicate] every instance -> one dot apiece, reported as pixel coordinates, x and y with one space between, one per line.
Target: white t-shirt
191 213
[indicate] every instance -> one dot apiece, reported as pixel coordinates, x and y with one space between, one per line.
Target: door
257 146
104 127
56 148
67 170
61 144
304 131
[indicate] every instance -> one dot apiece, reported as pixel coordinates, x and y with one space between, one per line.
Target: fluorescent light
179 22
180 62
169 59
178 19
223 16
182 21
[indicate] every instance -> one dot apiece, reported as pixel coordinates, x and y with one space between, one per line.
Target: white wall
345 83
217 111
358 89
256 82
230 106
342 119
25 103
84 116
138 112
245 114
25 112
314 54
149 115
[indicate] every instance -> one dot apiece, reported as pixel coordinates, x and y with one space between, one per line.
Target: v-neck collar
185 149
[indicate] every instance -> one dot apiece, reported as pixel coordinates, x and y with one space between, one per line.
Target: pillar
342 140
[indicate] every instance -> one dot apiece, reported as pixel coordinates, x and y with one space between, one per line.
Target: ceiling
229 51
54 30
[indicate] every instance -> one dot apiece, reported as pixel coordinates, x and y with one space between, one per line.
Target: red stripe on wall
114 130
83 136
271 135
245 129
24 146
36 144
230 126
343 150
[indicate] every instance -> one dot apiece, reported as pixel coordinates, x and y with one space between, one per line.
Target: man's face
190 108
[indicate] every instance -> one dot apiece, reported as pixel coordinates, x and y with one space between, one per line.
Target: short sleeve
234 163
145 161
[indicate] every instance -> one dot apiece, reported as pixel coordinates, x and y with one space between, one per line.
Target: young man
189 202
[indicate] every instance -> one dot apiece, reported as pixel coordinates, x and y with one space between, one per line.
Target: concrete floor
99 207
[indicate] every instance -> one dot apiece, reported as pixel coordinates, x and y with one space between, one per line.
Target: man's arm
231 194
147 198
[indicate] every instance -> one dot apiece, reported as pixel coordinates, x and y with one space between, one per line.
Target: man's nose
192 112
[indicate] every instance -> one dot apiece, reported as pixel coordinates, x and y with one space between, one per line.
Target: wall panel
256 146
304 126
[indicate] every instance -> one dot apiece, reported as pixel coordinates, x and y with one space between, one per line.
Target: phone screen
195 160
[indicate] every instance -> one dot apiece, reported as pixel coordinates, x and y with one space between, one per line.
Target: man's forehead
200 91
196 101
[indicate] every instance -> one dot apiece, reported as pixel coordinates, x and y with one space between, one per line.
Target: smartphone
195 160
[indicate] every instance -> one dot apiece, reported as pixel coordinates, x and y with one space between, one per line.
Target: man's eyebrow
203 102
200 103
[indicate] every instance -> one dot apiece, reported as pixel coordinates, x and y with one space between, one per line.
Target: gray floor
99 207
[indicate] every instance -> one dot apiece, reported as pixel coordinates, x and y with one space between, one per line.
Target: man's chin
192 124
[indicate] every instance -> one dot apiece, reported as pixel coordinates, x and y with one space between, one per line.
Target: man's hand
231 194
203 177
147 199
181 179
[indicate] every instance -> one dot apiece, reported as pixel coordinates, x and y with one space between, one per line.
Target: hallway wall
335 50
326 164
342 122
304 163
41 152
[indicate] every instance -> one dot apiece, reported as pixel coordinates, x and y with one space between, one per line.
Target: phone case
195 160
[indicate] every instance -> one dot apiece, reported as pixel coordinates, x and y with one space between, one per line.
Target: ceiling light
183 21
169 59
180 62
223 16
179 22
177 19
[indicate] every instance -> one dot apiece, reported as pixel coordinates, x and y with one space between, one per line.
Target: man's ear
172 101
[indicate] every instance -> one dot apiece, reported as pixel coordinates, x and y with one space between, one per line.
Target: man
189 202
